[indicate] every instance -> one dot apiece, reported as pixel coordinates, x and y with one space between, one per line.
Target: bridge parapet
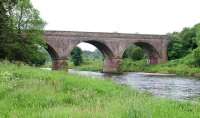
104 35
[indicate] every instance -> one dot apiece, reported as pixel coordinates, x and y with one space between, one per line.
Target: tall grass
129 65
27 92
172 67
88 65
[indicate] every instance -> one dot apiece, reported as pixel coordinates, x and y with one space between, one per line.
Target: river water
167 86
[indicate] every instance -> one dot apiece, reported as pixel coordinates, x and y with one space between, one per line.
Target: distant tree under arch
76 56
134 52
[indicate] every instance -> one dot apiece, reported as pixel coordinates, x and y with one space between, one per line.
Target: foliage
194 58
6 31
89 55
175 48
134 52
129 65
185 46
21 39
183 43
76 56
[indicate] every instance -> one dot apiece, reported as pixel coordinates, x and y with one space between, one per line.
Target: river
167 86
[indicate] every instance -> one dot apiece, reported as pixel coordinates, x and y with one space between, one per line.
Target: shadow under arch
151 51
52 52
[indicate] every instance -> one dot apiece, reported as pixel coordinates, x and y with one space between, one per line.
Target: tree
175 48
183 43
26 30
134 52
6 29
76 56
92 55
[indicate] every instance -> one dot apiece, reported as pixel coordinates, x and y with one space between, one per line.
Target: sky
123 16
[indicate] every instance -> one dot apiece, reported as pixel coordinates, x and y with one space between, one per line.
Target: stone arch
110 63
151 51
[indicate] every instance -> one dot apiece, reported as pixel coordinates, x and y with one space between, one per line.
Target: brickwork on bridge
112 46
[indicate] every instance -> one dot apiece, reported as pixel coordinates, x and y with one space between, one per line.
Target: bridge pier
112 65
164 58
60 64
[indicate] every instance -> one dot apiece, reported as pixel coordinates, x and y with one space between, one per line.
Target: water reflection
173 87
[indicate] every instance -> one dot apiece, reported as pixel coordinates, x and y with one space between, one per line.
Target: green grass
27 92
182 70
129 65
88 65
172 67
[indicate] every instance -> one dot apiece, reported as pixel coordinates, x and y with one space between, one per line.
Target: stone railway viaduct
112 45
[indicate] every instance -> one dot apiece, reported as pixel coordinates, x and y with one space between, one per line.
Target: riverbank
89 65
31 92
172 67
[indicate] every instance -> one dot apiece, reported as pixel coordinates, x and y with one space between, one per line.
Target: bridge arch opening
107 53
142 51
50 56
94 53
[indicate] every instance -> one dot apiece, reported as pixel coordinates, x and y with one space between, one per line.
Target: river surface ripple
167 86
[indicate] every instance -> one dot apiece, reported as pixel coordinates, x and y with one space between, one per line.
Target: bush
196 57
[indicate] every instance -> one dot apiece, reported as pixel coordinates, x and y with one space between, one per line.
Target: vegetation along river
168 86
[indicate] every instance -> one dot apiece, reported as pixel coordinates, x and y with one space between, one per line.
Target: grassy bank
88 65
27 92
172 67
